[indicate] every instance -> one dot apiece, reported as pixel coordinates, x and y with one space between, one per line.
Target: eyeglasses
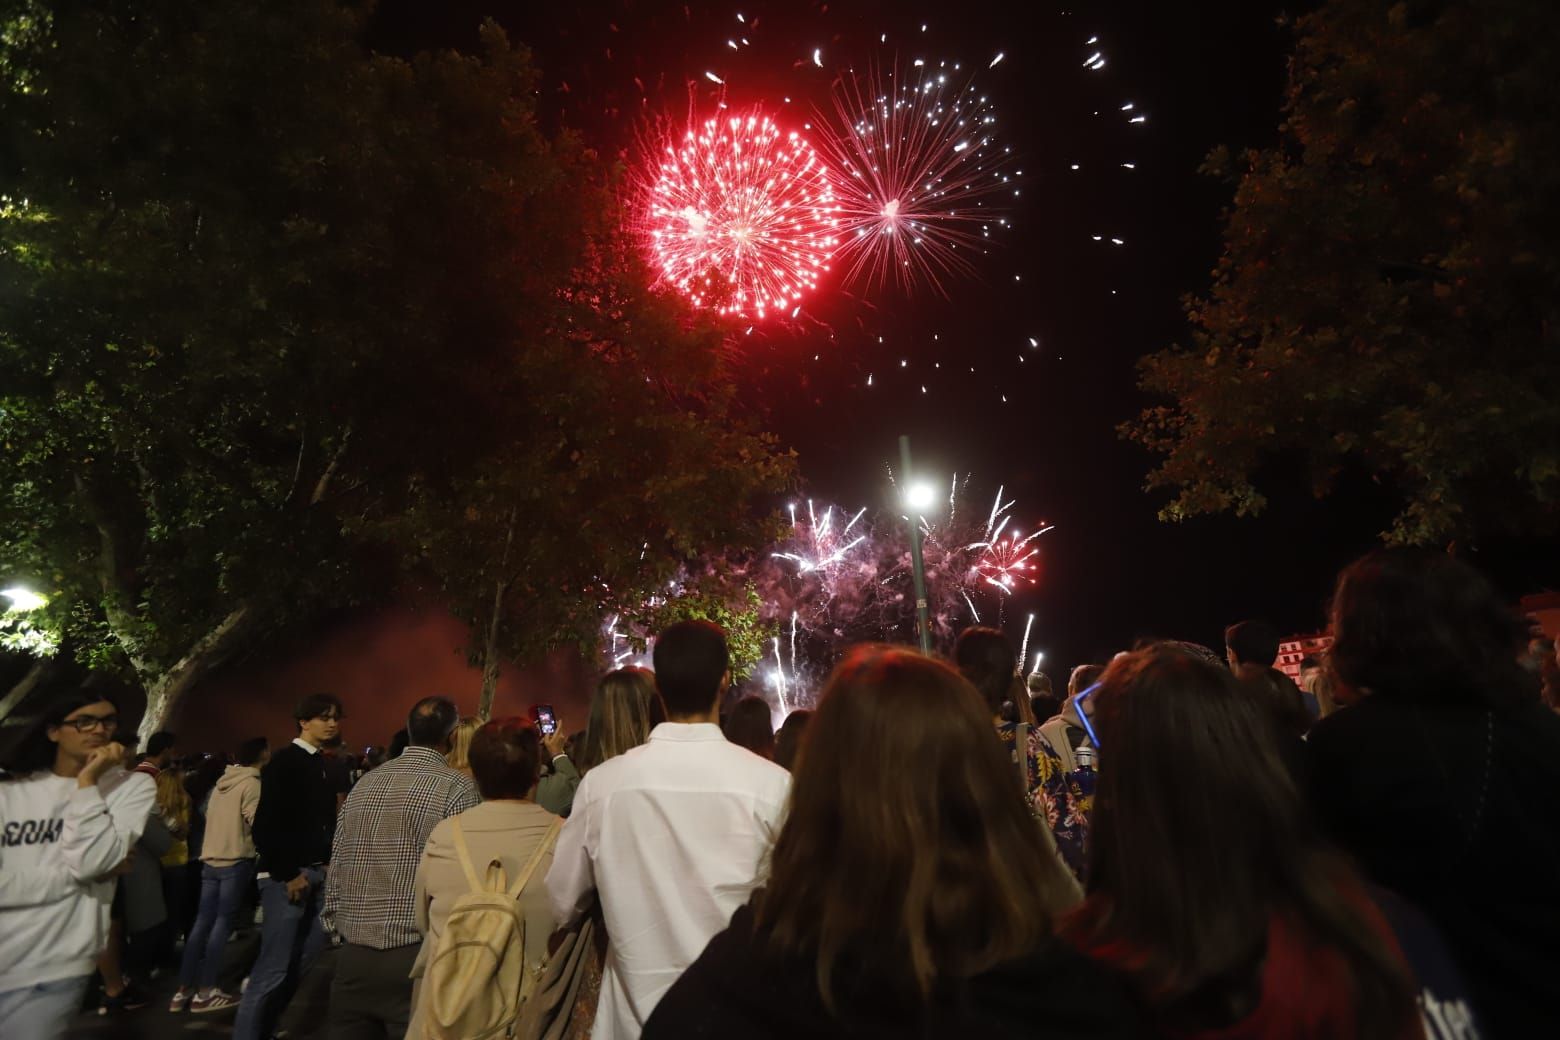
1083 716
88 723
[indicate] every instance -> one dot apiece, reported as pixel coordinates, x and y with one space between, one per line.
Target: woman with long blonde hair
459 756
622 714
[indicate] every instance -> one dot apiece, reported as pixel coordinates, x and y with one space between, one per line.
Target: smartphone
542 715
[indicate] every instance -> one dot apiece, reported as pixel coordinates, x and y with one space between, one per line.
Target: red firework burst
740 216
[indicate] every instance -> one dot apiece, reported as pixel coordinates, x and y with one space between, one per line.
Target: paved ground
154 1022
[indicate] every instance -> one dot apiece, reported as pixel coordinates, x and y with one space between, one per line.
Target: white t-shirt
58 843
673 834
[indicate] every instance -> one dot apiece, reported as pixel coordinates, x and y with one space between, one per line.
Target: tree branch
205 654
19 692
322 486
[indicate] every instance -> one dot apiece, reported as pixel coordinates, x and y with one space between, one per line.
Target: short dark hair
691 659
1310 661
159 742
985 657
252 750
506 755
749 725
1425 627
431 720
316 705
1253 642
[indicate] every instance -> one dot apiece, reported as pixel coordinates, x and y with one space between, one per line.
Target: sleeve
249 803
332 882
555 792
100 832
277 854
462 796
1063 809
571 880
421 900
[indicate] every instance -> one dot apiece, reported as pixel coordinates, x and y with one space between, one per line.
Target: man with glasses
68 826
293 827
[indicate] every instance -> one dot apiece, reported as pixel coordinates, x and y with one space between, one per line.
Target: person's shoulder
126 785
1058 984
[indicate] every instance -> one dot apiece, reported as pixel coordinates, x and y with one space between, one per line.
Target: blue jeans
41 1012
290 939
222 890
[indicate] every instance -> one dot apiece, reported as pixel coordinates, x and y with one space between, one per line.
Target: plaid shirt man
370 897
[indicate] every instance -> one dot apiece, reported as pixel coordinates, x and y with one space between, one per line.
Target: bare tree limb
323 485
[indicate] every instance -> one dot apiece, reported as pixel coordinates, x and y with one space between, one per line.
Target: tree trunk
19 692
163 694
490 657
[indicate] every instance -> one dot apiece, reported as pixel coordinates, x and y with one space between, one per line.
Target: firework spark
740 216
1006 558
917 165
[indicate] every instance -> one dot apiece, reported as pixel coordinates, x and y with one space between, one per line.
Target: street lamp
919 497
22 599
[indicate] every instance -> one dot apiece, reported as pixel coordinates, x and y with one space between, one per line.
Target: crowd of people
1181 844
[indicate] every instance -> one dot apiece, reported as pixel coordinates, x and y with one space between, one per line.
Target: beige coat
506 831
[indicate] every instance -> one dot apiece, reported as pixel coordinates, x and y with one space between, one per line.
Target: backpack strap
536 858
463 853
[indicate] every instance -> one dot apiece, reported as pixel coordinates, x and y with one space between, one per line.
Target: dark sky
1205 74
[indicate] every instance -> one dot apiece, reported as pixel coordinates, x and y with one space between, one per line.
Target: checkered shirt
370 897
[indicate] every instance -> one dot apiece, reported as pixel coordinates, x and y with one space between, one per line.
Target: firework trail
740 215
917 169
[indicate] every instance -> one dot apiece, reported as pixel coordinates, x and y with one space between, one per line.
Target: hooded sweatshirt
230 817
58 844
1064 733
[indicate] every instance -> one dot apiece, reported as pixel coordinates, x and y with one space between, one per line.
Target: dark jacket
297 814
1457 807
738 989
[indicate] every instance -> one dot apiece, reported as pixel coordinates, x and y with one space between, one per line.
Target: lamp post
918 497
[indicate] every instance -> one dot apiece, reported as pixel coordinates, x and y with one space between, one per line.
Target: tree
263 293
1387 294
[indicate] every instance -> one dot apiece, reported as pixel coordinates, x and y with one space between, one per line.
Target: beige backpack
478 981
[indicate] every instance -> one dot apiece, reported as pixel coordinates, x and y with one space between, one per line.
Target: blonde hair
459 756
173 801
626 707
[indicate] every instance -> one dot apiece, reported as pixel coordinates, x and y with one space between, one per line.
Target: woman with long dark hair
909 894
1209 889
69 816
1442 779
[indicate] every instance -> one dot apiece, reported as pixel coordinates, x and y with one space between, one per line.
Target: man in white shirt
672 835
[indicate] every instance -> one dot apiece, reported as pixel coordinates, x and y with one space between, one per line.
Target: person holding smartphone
69 822
560 776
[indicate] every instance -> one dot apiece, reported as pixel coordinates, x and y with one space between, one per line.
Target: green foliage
710 598
279 319
1388 290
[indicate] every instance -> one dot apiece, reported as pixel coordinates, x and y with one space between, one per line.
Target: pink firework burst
1007 558
740 216
920 174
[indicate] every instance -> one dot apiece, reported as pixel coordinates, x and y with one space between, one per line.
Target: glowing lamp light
23 599
920 496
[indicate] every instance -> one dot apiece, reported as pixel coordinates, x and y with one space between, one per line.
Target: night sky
1204 74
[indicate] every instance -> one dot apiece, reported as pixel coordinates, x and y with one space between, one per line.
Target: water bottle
1083 777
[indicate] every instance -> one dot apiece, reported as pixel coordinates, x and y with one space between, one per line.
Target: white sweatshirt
57 844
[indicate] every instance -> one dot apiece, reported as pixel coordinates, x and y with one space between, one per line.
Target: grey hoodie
230 817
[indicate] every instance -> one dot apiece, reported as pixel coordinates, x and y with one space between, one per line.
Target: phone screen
542 715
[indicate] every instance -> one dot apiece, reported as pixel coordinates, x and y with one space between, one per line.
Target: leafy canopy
1387 294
